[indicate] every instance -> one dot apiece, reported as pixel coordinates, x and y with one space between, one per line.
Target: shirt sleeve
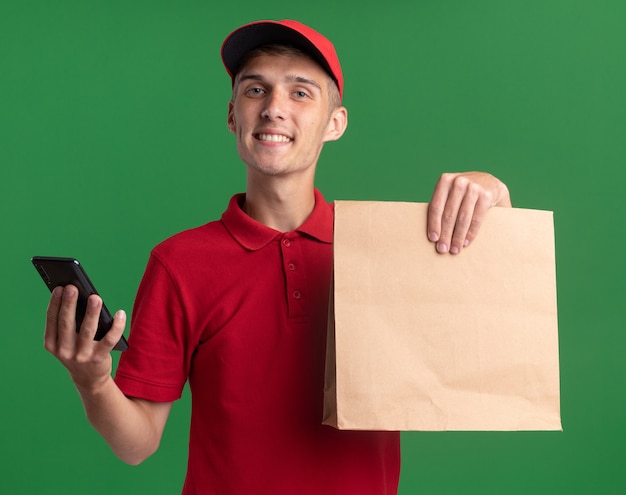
156 365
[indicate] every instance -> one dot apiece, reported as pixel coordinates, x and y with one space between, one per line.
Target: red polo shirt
239 310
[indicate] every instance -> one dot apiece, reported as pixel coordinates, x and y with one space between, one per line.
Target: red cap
285 32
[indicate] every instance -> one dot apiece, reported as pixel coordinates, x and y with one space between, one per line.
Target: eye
255 91
301 94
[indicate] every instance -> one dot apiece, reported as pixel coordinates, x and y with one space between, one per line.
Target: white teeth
275 138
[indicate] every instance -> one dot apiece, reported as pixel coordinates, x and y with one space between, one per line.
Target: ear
231 117
336 124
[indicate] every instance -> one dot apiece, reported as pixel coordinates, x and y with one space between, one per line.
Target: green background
113 137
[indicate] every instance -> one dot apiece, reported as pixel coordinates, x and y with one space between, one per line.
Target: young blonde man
238 307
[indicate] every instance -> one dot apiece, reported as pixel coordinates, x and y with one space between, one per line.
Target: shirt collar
253 235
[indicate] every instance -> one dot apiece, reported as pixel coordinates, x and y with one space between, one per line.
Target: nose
275 107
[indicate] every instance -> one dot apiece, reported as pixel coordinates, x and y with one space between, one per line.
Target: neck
280 204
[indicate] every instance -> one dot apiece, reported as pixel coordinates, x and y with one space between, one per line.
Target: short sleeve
156 365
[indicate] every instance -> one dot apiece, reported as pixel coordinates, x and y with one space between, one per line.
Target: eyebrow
290 78
304 80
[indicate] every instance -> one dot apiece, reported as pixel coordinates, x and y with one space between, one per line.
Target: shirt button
286 242
292 266
297 294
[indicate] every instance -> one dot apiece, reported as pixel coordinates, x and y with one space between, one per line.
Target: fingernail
433 236
121 314
442 247
466 243
57 292
454 250
69 291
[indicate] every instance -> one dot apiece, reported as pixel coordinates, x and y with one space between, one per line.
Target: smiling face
281 114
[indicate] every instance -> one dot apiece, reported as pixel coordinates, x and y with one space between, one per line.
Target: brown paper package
431 342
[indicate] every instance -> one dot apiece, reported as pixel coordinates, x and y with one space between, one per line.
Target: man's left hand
458 206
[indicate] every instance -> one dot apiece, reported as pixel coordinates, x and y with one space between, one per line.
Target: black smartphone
64 271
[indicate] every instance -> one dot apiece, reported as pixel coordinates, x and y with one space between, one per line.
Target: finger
89 327
466 216
437 205
52 317
66 323
450 213
112 337
480 210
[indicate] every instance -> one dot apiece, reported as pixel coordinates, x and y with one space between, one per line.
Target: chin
269 170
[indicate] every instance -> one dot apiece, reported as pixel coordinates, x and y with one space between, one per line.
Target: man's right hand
131 426
89 362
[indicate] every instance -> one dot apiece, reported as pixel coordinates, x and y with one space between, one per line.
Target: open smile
273 138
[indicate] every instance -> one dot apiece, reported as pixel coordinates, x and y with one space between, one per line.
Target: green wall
113 136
